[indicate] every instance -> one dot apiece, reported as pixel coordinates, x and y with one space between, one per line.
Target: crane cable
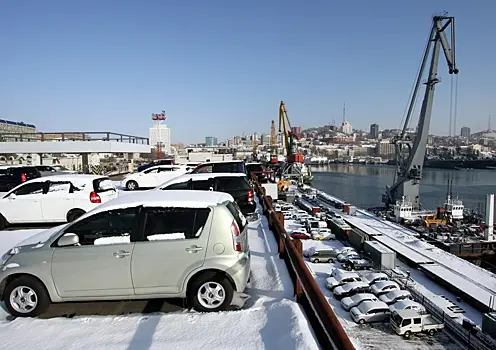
453 105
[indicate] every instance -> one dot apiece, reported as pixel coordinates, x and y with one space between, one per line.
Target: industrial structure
160 134
410 153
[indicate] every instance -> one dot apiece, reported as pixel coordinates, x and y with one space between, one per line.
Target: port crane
410 153
294 168
274 148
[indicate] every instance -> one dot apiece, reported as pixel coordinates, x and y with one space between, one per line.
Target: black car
257 170
155 162
357 264
12 176
234 166
237 185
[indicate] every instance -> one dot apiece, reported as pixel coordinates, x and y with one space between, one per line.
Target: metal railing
72 136
327 328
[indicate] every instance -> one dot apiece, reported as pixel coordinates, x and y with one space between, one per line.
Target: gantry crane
289 136
410 154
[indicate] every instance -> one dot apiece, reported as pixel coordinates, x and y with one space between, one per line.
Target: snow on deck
367 336
270 319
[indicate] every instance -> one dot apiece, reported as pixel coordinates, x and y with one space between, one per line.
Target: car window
163 170
59 187
174 223
202 185
227 168
238 216
30 188
151 171
205 168
226 184
109 227
103 184
178 186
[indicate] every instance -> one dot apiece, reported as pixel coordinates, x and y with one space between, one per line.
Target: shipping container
382 256
357 238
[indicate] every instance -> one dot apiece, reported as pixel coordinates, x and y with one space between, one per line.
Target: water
363 185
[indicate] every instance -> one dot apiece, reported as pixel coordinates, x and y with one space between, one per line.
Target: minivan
155 244
233 166
325 256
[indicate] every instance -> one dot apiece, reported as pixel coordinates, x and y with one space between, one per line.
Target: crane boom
410 155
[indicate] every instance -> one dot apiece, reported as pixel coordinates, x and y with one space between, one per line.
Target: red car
298 235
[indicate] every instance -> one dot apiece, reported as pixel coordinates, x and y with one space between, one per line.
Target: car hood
339 290
41 237
384 298
347 301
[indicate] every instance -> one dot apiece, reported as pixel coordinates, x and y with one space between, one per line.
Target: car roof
177 198
367 305
372 275
382 284
253 163
404 303
68 177
361 296
224 161
201 176
355 284
407 313
398 292
158 166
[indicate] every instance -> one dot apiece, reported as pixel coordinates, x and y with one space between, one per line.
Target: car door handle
193 249
121 253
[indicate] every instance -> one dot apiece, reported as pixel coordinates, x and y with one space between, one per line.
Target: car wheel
211 292
74 214
26 297
316 261
407 334
132 185
3 222
362 321
432 332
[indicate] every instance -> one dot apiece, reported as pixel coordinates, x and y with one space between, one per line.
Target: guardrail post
298 288
280 239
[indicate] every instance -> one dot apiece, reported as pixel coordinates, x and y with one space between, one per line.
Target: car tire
316 261
17 293
210 286
132 185
432 332
362 321
73 214
3 222
407 334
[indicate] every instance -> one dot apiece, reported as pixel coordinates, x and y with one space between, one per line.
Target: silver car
160 244
370 311
356 300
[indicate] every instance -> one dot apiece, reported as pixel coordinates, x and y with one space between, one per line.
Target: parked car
323 234
300 235
52 199
149 245
355 300
230 166
153 176
340 279
357 264
394 296
347 255
47 170
370 311
383 287
236 184
323 255
11 176
407 304
374 277
155 163
351 288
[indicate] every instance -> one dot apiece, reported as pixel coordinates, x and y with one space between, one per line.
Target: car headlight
9 254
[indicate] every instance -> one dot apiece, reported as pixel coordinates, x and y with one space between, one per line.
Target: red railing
326 325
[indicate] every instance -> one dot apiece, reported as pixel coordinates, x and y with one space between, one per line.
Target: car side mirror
12 196
68 239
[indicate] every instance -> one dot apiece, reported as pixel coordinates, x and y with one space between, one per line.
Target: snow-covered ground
269 320
368 336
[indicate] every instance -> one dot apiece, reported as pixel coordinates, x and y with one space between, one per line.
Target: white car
375 277
355 300
407 304
394 296
348 256
153 176
53 199
323 234
383 287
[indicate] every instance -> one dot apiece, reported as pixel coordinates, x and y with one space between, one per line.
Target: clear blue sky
221 67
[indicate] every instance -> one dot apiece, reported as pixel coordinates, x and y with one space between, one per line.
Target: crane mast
410 154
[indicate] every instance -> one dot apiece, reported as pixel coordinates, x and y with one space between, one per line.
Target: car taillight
250 197
23 177
95 198
236 237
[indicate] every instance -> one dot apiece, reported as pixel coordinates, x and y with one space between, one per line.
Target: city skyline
109 66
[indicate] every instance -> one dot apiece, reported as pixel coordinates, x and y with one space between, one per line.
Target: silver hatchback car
156 244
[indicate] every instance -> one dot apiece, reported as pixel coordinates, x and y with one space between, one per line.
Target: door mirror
68 239
12 196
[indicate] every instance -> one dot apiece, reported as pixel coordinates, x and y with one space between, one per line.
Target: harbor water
363 185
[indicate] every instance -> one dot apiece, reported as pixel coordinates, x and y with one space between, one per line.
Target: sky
221 67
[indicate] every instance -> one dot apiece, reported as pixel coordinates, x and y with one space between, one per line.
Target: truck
406 322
